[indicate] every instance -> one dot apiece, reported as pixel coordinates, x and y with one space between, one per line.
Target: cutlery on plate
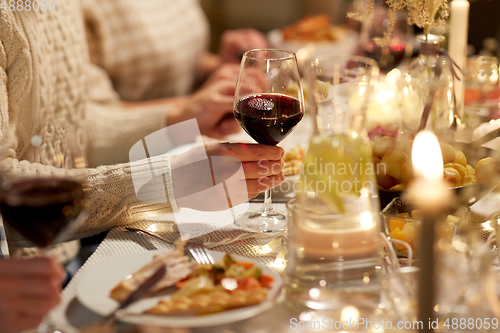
199 253
142 290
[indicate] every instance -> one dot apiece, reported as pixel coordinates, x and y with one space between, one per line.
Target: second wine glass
43 204
268 104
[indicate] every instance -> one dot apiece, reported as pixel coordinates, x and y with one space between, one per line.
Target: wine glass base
264 221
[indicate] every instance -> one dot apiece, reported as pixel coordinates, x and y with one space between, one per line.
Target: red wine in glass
388 57
268 118
268 104
40 209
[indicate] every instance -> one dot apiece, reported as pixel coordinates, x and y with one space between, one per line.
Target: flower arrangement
425 14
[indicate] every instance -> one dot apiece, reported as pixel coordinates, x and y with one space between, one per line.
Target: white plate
345 45
96 283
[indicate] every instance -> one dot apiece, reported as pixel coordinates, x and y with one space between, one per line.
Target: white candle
335 244
429 195
457 44
429 189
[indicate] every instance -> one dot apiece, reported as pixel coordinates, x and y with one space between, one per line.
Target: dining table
73 316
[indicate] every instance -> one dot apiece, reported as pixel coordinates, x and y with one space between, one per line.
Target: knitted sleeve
111 132
112 200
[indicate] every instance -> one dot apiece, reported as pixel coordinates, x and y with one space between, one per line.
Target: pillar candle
457 44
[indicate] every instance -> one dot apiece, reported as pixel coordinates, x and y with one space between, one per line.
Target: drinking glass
333 242
42 205
397 47
268 104
481 90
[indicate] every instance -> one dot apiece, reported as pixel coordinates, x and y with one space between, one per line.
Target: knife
139 292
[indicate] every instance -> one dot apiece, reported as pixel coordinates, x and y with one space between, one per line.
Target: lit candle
429 195
348 243
457 44
383 115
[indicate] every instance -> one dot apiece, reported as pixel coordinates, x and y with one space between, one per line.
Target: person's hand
226 72
193 173
28 290
234 43
212 106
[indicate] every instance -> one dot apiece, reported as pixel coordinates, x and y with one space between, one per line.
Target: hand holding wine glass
268 106
42 206
29 288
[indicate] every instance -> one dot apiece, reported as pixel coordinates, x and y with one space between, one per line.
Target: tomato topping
245 265
266 280
248 283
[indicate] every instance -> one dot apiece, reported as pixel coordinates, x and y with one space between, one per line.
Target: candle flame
426 157
349 313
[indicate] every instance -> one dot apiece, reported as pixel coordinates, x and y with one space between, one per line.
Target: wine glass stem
268 205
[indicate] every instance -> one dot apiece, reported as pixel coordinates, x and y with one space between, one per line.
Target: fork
199 253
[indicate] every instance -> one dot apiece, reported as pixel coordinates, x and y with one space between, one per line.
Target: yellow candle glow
428 190
426 157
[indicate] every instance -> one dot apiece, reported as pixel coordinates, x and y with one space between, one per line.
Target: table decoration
427 191
457 43
432 73
422 13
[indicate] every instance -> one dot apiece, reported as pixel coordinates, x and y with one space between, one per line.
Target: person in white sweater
44 72
157 51
154 49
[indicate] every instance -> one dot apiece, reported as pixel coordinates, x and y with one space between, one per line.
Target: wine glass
268 104
390 55
41 205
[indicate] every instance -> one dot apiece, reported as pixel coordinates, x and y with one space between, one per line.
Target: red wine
387 57
268 118
39 209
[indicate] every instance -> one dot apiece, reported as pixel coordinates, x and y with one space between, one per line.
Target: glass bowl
402 221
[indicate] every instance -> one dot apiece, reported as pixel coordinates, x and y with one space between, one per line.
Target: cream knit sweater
151 49
44 68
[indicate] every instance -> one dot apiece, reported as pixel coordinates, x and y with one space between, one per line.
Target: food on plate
293 161
406 227
393 165
178 267
313 28
225 285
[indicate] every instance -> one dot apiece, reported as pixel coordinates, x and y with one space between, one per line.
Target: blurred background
266 15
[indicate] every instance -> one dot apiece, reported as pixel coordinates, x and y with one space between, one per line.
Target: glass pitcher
334 221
